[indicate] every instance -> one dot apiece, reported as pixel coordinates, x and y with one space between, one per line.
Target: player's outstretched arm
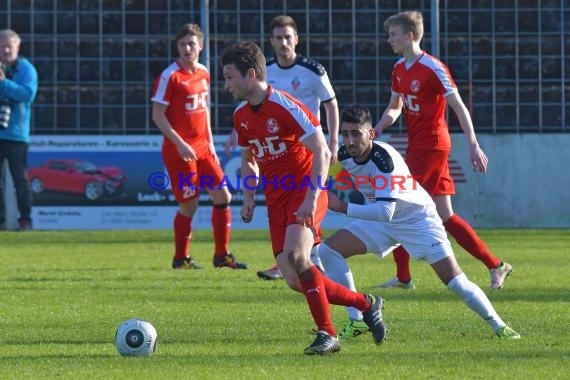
381 211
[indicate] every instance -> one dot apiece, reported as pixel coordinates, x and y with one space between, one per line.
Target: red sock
314 290
468 239
221 223
341 295
402 259
182 236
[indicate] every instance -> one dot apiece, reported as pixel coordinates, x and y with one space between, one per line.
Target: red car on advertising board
77 177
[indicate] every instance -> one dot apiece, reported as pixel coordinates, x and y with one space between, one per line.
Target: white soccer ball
136 337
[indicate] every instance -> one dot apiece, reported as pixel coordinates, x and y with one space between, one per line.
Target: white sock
476 299
336 268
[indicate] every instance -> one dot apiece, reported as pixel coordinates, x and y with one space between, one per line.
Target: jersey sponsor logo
268 146
272 125
410 103
415 85
196 101
243 124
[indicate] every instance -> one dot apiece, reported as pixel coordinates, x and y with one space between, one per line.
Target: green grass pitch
63 295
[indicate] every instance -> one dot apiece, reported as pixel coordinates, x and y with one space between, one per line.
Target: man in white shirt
397 210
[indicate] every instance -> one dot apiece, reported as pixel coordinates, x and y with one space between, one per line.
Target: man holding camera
18 88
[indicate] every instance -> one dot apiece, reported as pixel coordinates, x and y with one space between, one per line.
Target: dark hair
356 113
189 29
282 21
244 55
411 21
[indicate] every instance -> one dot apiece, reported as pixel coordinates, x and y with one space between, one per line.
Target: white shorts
423 236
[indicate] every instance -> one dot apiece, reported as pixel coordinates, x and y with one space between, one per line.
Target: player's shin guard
337 269
476 299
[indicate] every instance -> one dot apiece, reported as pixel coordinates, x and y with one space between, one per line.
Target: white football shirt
385 176
414 224
306 80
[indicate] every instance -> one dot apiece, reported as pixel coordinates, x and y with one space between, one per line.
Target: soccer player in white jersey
306 80
396 210
300 76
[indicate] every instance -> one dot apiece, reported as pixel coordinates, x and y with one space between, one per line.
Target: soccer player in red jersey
285 152
422 86
180 111
305 79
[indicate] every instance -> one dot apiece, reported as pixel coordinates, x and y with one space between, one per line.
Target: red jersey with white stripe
186 95
423 87
274 131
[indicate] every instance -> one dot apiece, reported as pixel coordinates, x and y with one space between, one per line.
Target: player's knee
222 197
227 196
295 260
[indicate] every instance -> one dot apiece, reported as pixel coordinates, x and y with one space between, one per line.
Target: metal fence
97 60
